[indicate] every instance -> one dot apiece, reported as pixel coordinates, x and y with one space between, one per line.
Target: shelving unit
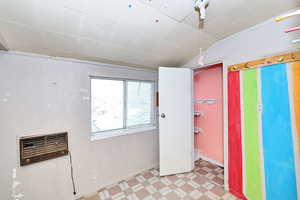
198 130
209 101
198 113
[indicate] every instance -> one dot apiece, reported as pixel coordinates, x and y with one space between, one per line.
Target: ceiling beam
3 45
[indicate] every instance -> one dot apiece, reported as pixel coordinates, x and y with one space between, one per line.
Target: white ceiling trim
72 60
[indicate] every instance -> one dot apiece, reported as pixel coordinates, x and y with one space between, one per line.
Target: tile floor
204 183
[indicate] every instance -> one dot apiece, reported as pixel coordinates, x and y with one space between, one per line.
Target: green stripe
252 156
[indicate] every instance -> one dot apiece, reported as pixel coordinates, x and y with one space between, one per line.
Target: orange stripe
296 80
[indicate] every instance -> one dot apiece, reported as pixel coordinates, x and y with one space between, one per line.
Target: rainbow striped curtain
264 132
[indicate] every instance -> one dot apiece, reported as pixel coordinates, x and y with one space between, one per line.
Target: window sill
121 132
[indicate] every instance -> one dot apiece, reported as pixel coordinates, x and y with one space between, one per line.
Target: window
120 107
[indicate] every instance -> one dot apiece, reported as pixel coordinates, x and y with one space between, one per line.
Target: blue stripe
278 150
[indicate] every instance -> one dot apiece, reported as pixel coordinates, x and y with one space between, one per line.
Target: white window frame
126 130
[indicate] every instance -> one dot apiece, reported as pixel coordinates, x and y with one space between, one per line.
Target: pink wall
208 85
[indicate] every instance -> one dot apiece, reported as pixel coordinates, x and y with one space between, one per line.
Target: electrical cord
72 174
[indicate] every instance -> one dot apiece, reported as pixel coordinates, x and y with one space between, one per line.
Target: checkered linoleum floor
204 183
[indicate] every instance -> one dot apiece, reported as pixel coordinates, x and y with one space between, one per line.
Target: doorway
209 119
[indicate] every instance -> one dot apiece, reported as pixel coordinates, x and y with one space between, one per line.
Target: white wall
40 95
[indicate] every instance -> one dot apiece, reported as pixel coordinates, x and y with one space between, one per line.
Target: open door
176 125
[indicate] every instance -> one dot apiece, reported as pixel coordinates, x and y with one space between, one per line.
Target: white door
176 121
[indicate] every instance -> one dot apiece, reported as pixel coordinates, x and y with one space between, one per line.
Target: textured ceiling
126 31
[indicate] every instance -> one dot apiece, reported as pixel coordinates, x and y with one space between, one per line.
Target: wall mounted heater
39 148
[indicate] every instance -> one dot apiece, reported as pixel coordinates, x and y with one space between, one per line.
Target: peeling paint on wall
15 195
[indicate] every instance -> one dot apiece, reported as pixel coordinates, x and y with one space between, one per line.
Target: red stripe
292 29
235 161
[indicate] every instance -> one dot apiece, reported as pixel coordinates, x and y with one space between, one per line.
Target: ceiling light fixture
201 5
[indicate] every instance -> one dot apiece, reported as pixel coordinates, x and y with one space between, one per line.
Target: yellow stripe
296 81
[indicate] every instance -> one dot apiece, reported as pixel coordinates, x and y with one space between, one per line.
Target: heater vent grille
39 148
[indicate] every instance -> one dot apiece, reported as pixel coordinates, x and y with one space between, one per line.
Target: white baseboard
198 155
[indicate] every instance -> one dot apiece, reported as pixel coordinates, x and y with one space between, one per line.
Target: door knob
162 115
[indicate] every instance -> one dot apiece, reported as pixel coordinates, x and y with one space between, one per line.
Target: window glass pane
107 104
139 103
